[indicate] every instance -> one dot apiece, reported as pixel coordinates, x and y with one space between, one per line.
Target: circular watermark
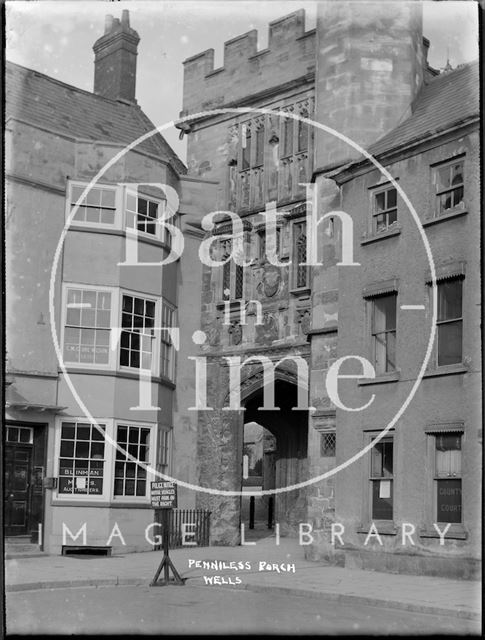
199 337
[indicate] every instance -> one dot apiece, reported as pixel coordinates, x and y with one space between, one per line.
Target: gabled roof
445 101
46 102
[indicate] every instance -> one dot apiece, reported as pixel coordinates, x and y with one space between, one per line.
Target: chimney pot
108 24
115 59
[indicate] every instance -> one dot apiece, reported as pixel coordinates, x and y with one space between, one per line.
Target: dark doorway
18 469
274 456
24 474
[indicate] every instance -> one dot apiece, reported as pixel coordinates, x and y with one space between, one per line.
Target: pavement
260 567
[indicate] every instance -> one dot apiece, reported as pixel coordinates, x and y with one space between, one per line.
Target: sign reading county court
163 494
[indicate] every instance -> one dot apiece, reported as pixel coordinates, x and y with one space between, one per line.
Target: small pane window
81 459
327 445
384 210
448 477
382 476
449 184
303 132
449 322
142 214
97 207
130 477
137 334
384 332
87 326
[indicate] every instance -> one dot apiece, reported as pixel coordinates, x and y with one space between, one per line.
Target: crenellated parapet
289 58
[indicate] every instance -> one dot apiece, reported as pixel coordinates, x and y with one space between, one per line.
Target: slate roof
446 100
46 102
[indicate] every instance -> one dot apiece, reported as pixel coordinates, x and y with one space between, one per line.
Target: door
18 470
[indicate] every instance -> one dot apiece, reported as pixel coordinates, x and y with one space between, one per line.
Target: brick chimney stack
115 59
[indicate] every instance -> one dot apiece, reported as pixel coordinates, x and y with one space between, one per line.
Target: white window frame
111 429
375 213
164 449
155 368
107 471
161 208
120 222
461 206
163 333
440 282
152 451
117 224
115 303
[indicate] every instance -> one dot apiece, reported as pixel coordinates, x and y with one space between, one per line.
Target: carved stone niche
235 331
304 319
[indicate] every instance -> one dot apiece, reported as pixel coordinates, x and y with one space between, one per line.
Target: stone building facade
362 74
60 470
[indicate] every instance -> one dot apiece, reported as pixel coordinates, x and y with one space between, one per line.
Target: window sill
455 532
105 504
383 378
446 370
133 375
454 213
115 231
381 236
383 527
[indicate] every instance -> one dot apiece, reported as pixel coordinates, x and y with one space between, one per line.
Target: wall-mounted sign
163 494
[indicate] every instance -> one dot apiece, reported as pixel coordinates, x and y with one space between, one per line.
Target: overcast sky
56 38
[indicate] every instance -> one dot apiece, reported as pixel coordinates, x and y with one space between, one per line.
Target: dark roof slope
47 102
447 100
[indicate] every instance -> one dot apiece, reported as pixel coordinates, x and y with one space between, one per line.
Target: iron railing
198 532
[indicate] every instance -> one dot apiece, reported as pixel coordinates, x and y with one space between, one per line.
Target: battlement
290 56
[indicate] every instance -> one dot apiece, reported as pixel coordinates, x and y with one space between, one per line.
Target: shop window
81 459
87 326
383 332
448 180
449 322
384 210
447 477
300 269
381 479
130 478
137 332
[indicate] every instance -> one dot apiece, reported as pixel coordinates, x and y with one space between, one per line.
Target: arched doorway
274 456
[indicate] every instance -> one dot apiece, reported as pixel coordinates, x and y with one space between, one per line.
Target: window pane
450 343
391 198
385 313
382 506
450 300
449 500
380 200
